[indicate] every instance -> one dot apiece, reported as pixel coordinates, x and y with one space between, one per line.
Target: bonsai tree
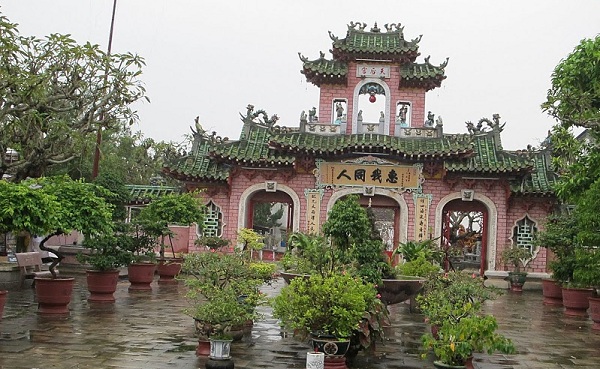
355 240
331 305
559 236
452 296
222 290
182 209
455 342
516 257
212 242
52 207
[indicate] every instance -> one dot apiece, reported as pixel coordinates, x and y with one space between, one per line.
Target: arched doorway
464 234
271 214
387 219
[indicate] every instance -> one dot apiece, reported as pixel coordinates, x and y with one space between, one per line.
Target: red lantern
372 98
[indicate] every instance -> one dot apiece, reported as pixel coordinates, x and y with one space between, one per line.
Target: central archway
382 199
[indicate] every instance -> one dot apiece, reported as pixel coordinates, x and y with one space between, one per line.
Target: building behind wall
372 136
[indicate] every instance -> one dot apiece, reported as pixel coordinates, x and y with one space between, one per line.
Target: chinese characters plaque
380 175
372 70
422 203
313 210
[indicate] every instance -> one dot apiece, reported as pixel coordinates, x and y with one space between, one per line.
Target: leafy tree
574 98
182 209
346 223
55 94
263 217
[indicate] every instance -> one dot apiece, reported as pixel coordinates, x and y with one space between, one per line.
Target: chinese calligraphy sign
372 70
422 203
313 210
401 177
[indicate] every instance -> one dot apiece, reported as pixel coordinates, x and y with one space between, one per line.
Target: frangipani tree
55 94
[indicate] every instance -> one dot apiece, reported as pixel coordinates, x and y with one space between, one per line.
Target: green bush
330 305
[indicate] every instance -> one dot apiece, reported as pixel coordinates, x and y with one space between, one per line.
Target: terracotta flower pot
203 348
54 295
102 284
141 276
168 270
552 292
575 301
595 312
3 295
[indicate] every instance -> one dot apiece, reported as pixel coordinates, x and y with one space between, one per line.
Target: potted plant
516 257
212 242
558 236
154 220
223 292
53 206
456 342
106 254
329 308
137 240
587 273
452 296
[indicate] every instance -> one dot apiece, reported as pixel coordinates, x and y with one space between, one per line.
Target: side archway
492 223
250 191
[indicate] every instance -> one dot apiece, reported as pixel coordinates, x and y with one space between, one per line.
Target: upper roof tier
374 44
385 47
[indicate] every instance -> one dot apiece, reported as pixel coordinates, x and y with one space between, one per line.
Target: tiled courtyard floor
149 330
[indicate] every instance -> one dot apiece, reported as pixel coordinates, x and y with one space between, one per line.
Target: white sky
212 58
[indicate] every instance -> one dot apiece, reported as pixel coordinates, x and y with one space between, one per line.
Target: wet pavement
149 330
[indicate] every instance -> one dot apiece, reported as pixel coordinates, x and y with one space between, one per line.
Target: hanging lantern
372 98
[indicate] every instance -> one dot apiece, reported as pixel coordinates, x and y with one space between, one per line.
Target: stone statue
312 115
402 114
381 117
303 116
359 118
339 110
430 119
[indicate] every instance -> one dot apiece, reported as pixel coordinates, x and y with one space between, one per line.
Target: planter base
440 365
102 285
203 348
552 292
595 312
54 295
168 270
2 302
575 301
219 364
335 362
141 276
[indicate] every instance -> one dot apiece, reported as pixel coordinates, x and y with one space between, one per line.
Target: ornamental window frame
213 221
522 237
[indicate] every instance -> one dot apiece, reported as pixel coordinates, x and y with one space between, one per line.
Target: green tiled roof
318 145
541 180
359 43
198 165
490 158
422 75
324 71
139 194
252 150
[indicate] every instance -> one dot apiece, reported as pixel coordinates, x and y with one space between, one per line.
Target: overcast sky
212 58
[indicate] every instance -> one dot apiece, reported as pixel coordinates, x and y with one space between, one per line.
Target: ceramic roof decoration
141 194
263 144
388 47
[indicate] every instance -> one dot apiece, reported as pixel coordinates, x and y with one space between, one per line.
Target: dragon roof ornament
493 125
